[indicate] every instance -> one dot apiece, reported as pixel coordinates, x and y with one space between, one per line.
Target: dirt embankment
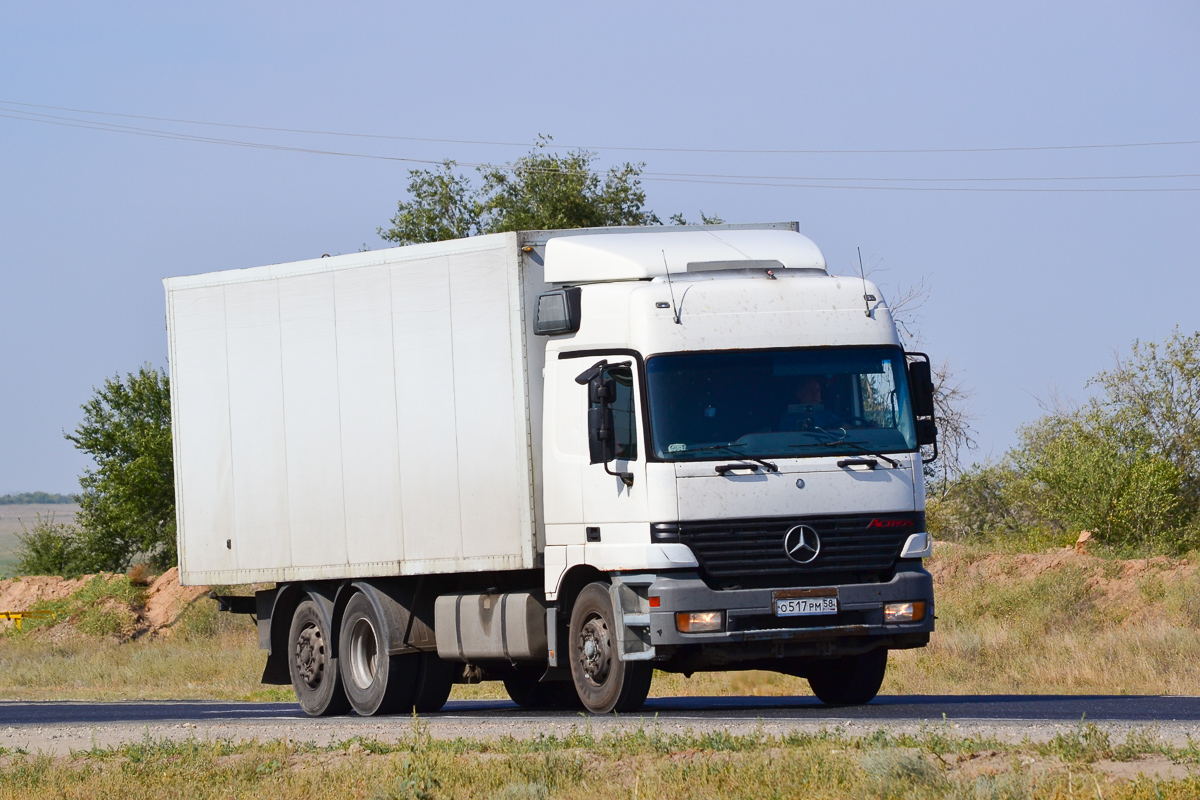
1108 580
153 611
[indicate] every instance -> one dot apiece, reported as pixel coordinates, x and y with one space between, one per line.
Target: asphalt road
910 708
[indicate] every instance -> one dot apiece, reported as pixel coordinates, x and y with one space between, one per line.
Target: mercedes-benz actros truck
558 459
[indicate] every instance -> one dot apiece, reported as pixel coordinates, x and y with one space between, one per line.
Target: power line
649 149
702 178
187 137
927 180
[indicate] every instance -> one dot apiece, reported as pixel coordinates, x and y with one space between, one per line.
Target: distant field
11 518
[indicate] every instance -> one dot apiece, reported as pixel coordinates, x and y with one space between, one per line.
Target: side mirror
920 381
602 429
927 432
920 378
602 444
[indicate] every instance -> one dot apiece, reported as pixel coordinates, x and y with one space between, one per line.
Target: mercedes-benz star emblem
801 544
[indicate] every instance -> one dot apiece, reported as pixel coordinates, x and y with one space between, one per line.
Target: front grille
749 554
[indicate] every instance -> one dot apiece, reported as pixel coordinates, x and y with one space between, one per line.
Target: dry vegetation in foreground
1049 623
642 763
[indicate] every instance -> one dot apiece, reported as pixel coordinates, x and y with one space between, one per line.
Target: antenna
671 288
867 298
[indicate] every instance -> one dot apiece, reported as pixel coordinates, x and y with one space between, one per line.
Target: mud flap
276 671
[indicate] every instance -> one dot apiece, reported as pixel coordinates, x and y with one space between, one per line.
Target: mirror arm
626 477
933 457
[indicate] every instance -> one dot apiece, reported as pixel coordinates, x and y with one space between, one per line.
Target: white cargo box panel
354 416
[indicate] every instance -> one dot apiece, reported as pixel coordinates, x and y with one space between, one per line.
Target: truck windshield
779 403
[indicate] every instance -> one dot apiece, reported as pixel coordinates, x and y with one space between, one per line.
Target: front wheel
849 680
603 682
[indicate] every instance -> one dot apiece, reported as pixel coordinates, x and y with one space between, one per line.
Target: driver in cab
808 412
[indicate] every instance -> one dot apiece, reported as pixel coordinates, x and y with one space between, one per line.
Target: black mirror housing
558 311
920 379
602 440
920 382
927 432
602 390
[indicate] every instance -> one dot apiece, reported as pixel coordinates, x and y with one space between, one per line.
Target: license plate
805 606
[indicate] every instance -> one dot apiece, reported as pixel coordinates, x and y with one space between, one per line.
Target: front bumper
750 617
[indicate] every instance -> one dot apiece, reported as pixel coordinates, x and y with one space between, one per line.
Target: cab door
606 496
580 495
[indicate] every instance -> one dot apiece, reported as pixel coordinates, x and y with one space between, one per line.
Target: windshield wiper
730 448
895 464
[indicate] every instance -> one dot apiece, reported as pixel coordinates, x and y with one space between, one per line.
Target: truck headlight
699 621
904 612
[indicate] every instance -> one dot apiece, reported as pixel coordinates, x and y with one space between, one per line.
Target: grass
644 763
1058 632
1053 632
208 655
102 607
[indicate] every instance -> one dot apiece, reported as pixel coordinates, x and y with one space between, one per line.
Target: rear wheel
849 680
603 682
313 668
375 682
526 690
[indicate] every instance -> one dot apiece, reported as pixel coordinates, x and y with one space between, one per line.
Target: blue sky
1032 292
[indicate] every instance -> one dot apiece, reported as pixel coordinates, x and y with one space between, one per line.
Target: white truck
560 459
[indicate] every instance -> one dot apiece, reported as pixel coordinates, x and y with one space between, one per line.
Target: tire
850 680
526 690
313 668
435 679
603 682
374 682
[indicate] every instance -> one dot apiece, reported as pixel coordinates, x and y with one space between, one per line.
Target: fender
396 605
275 609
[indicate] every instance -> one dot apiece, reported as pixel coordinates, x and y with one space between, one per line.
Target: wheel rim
595 650
310 655
364 653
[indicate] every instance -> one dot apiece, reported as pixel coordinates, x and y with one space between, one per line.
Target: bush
1126 466
1083 473
51 548
982 502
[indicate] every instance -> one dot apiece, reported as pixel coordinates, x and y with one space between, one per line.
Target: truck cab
730 436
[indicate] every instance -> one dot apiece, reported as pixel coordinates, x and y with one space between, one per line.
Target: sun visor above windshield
615 256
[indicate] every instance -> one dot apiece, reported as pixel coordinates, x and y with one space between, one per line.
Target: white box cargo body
357 416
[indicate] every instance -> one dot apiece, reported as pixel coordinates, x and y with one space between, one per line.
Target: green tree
443 206
705 219
542 190
127 503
